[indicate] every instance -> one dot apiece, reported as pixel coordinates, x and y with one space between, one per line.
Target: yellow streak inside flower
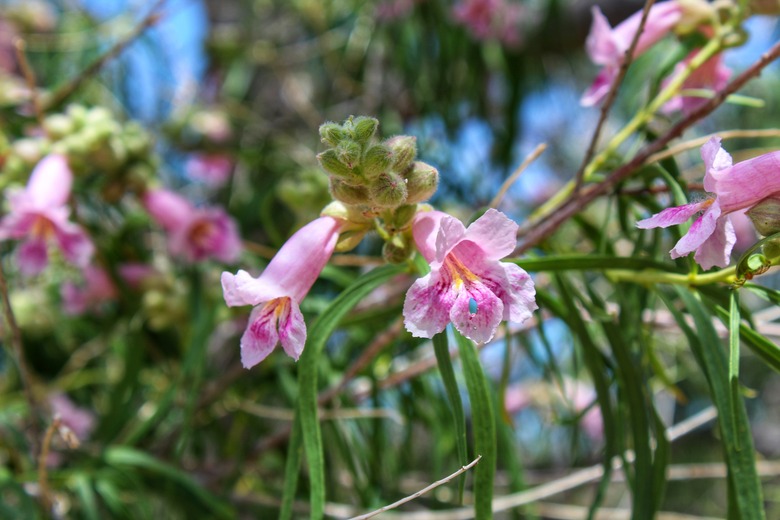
460 273
201 233
42 228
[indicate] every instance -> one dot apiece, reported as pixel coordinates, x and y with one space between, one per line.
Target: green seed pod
398 249
364 128
422 181
376 160
388 190
404 149
347 193
766 216
332 133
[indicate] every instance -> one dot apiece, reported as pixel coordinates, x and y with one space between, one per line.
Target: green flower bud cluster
94 142
378 180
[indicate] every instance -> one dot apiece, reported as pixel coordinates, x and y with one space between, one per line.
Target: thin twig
421 492
65 91
24 371
29 78
696 143
579 200
43 459
516 174
611 96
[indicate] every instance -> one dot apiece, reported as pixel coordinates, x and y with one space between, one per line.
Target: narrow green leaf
764 348
442 350
734 426
734 322
291 468
589 263
484 427
86 495
318 334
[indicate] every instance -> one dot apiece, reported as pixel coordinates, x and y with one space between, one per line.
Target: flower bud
347 193
388 190
398 249
771 249
422 181
364 128
766 216
404 149
349 240
348 152
78 115
402 216
331 133
58 126
329 160
376 160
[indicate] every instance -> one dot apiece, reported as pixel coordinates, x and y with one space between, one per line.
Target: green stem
651 277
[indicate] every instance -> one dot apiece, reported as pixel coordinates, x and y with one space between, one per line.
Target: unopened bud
404 149
766 216
388 190
348 194
376 160
771 249
78 115
695 13
58 126
398 249
422 181
331 133
329 160
402 216
364 128
348 152
349 240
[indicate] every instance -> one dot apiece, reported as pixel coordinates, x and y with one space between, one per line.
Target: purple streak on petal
716 250
520 299
427 305
169 209
50 183
32 257
292 330
425 229
481 325
672 216
260 336
699 232
494 233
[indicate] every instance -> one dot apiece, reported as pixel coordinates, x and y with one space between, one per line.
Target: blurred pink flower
277 293
713 76
735 187
211 169
467 285
607 46
79 420
195 233
39 216
136 274
485 19
96 290
390 10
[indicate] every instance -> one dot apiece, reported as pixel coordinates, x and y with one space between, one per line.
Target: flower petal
292 329
494 233
699 232
169 209
74 243
32 257
479 326
425 229
672 216
716 250
716 161
451 232
600 44
520 300
50 183
260 336
600 86
243 289
427 305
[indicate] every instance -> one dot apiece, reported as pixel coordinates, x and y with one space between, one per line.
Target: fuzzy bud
348 152
422 181
58 126
398 249
329 160
402 216
376 160
766 216
347 193
388 190
404 149
332 133
364 128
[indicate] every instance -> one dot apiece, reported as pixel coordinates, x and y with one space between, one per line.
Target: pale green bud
347 193
771 249
30 149
58 126
364 128
404 149
402 216
78 115
376 160
422 181
766 216
388 190
329 160
331 133
348 152
349 240
398 249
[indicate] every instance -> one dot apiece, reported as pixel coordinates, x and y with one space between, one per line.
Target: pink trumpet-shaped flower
195 233
277 293
735 187
467 285
712 75
96 289
39 216
607 46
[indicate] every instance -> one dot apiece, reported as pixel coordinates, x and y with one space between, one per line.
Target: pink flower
211 169
136 274
195 233
277 293
487 19
607 46
735 187
39 216
467 285
96 289
712 75
80 420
